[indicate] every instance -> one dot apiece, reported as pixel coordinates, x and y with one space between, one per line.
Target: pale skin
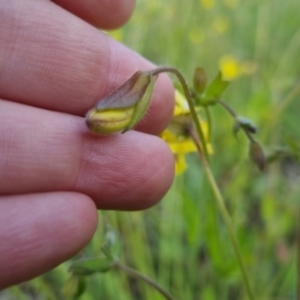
54 174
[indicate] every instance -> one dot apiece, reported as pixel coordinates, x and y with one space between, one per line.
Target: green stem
229 225
227 107
298 255
226 217
204 159
138 275
234 115
189 99
209 123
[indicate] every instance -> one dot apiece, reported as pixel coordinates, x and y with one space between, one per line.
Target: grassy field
182 243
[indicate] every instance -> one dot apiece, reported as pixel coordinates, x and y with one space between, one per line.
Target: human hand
54 66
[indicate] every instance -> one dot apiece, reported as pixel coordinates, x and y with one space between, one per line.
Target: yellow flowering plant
179 140
123 109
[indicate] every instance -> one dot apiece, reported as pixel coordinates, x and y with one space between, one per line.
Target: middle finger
43 151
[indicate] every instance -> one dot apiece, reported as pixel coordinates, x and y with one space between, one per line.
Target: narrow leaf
90 266
216 87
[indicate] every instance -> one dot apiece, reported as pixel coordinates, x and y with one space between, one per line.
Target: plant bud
108 121
200 80
247 124
124 108
257 155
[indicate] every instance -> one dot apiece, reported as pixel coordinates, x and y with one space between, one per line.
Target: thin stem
225 215
298 255
234 115
227 107
138 275
189 99
204 159
229 225
209 123
249 136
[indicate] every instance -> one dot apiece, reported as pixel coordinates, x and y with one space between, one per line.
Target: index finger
51 59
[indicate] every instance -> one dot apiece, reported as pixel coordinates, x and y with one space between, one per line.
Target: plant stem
138 275
234 115
204 159
189 99
227 107
298 256
226 217
209 123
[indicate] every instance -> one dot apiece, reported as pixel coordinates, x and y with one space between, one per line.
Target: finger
38 232
53 60
43 151
106 14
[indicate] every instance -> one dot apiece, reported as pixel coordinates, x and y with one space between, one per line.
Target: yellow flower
181 105
176 134
230 67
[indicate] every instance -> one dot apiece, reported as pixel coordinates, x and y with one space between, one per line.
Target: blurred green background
182 242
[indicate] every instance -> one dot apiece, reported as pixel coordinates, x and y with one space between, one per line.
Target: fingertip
138 168
158 184
83 218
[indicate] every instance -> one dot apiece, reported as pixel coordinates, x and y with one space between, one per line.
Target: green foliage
182 243
91 266
214 90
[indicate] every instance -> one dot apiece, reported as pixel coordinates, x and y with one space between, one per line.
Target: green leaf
90 266
216 88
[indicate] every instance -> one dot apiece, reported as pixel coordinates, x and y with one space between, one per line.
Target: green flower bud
247 124
125 107
200 80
